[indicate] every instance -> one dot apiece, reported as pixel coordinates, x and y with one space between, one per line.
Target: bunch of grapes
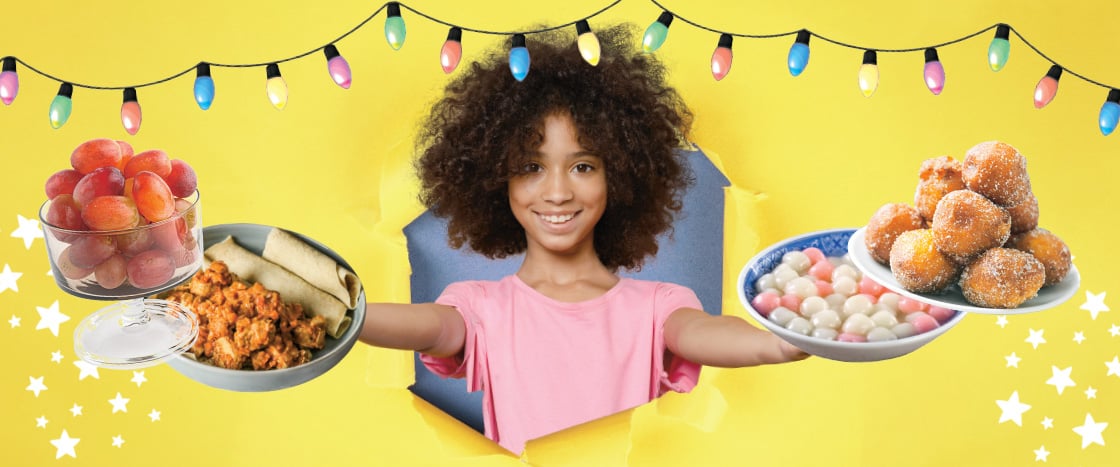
123 217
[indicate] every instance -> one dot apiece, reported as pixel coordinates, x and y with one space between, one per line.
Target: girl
577 168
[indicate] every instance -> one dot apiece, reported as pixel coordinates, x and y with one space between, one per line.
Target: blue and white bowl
833 243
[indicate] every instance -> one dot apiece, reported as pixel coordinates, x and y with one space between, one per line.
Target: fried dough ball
967 223
885 225
1048 249
1002 278
1024 216
937 177
997 171
917 264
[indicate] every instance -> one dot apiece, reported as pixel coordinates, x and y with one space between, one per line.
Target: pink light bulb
337 66
452 50
933 72
721 58
130 112
9 81
1047 87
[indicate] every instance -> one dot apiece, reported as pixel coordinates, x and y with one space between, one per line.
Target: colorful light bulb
452 50
721 58
799 53
869 73
337 66
933 72
1000 48
1110 112
9 81
519 58
656 32
130 112
394 26
203 87
61 106
276 88
1047 87
587 42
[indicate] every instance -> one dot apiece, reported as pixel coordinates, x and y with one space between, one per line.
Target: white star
1001 321
1114 330
118 441
8 279
1078 337
28 230
1060 379
1047 423
1091 431
120 404
1091 393
56 356
1040 454
65 446
76 409
154 415
1012 360
1094 303
1113 366
1012 409
1036 338
14 321
41 422
36 385
138 378
86 369
50 318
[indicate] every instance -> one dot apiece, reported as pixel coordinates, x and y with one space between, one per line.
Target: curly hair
481 131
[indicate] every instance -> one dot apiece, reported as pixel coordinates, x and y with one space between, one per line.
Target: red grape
152 196
110 213
182 179
67 267
102 181
62 182
150 269
100 152
66 213
135 242
126 153
152 161
111 273
90 250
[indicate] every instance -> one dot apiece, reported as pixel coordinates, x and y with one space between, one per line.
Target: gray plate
252 237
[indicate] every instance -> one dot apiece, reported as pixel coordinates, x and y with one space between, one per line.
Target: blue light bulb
799 53
519 58
204 87
1110 112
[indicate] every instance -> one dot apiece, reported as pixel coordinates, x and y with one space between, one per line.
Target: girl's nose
557 188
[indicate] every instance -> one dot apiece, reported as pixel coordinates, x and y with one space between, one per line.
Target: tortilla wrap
312 265
252 268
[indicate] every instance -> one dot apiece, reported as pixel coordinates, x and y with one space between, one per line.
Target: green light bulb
61 106
656 32
394 26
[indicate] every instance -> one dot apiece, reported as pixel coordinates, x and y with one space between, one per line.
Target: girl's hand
788 352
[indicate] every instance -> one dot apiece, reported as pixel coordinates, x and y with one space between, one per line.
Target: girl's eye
584 167
531 168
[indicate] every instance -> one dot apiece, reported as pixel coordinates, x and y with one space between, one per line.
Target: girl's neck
572 278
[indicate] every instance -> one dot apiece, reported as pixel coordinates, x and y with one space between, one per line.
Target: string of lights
655 35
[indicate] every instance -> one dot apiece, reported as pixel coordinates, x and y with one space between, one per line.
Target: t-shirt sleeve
461 295
677 374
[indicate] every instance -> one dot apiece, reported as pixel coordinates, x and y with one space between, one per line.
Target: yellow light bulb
276 88
869 73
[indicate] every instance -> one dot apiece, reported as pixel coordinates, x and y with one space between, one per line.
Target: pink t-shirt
545 365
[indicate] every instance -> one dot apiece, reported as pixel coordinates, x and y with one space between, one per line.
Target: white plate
952 298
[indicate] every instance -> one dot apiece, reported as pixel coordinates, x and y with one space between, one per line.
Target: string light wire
602 10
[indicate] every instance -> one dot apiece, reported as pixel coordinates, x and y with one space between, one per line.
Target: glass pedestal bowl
127 266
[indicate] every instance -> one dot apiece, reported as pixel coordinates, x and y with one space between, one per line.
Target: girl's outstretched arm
428 328
724 341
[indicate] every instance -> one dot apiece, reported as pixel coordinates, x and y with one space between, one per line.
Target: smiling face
560 193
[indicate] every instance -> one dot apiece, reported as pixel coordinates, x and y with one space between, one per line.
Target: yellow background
334 166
